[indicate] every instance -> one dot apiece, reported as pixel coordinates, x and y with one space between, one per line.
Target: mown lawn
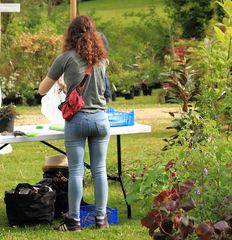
106 10
25 162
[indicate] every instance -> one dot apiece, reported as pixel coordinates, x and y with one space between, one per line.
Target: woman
83 46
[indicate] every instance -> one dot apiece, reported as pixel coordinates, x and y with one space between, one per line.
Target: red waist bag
74 102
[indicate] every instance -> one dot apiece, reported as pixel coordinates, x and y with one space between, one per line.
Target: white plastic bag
50 103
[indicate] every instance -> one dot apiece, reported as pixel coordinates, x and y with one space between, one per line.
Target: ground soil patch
140 114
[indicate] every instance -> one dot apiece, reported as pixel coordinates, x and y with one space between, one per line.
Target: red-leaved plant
168 220
169 214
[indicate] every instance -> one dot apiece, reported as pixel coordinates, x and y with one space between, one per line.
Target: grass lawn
25 162
106 10
116 9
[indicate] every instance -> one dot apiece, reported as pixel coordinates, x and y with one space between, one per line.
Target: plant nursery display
7 117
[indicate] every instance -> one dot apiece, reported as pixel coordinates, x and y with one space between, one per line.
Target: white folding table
43 133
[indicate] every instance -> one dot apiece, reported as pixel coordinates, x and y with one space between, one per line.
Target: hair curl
82 36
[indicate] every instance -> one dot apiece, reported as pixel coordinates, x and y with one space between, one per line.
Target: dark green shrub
193 16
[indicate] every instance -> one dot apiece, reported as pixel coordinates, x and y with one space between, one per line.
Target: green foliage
216 83
200 153
27 20
192 128
145 183
192 16
140 45
205 159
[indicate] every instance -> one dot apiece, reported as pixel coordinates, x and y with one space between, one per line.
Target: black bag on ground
30 205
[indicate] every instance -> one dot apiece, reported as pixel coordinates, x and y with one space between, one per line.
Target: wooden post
73 9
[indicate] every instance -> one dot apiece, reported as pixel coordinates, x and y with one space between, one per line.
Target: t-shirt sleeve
56 69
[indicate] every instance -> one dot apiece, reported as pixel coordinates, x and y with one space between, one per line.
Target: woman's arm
46 85
53 75
108 93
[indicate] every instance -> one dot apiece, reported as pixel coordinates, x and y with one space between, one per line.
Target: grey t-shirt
73 67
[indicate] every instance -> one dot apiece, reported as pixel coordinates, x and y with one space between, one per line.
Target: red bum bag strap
87 73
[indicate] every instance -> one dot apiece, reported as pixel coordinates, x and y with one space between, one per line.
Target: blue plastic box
120 118
87 214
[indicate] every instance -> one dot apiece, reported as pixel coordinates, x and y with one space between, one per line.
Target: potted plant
137 89
7 116
128 92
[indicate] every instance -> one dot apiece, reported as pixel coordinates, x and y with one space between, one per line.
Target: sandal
69 224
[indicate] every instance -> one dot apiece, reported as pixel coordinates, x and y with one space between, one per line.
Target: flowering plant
9 84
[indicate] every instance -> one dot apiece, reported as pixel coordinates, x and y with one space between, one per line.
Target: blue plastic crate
117 118
87 214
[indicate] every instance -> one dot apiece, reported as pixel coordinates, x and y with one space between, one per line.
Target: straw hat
55 161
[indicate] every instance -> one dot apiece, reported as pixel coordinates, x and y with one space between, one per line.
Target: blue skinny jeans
95 128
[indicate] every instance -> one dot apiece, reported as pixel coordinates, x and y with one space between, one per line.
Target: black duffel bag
30 205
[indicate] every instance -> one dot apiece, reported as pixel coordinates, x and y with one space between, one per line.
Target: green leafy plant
216 82
144 183
190 127
8 112
200 157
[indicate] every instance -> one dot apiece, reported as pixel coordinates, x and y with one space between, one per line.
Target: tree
193 16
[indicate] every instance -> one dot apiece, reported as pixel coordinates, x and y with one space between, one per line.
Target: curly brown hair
82 36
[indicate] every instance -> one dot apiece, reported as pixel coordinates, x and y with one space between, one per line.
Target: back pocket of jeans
102 128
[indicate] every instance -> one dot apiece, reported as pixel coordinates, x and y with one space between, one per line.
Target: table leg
120 175
53 147
4 145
